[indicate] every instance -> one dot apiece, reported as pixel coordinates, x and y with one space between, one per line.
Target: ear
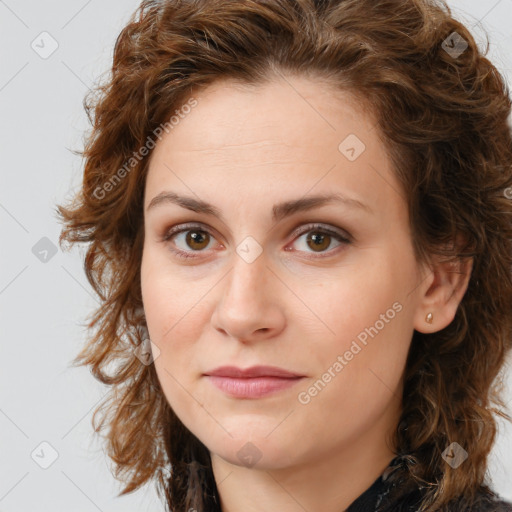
442 294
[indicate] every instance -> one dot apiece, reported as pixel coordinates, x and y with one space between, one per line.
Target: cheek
355 298
169 297
173 324
359 368
369 318
177 310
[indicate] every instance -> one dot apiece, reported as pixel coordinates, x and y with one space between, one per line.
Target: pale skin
244 150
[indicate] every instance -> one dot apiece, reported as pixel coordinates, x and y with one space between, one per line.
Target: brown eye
196 239
188 241
318 241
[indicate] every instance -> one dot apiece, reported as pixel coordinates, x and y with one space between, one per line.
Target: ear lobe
442 297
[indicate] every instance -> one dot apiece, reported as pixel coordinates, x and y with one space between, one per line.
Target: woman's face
329 292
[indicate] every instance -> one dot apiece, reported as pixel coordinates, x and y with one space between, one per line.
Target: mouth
253 371
253 382
252 387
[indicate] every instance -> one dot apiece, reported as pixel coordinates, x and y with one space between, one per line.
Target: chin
255 450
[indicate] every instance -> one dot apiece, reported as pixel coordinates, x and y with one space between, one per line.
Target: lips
252 383
252 372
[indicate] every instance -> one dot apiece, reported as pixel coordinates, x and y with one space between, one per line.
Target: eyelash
317 228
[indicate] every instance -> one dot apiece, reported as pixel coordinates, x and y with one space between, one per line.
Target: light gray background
43 304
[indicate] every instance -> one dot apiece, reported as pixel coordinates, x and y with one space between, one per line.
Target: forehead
287 137
280 111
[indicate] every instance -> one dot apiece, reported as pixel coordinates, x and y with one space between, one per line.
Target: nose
249 306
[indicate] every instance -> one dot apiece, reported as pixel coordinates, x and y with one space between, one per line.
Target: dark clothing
384 496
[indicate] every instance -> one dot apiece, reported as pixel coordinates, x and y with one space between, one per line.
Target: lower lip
256 387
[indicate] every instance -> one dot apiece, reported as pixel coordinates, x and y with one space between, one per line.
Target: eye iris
196 237
199 239
316 237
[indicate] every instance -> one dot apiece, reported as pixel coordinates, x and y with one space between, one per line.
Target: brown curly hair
443 118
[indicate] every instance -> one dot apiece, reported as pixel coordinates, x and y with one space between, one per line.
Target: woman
299 224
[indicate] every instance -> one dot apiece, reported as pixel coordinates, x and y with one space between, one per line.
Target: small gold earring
429 318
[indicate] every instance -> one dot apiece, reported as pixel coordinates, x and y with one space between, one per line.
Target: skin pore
300 304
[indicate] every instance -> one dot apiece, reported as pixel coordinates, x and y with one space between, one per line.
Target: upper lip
253 371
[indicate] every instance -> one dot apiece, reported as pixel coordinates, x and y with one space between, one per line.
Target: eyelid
320 226
342 236
298 231
300 228
187 226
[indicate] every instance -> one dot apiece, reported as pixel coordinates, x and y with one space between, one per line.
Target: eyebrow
279 210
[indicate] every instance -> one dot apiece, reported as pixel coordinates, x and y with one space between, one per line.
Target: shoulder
487 501
483 501
397 493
